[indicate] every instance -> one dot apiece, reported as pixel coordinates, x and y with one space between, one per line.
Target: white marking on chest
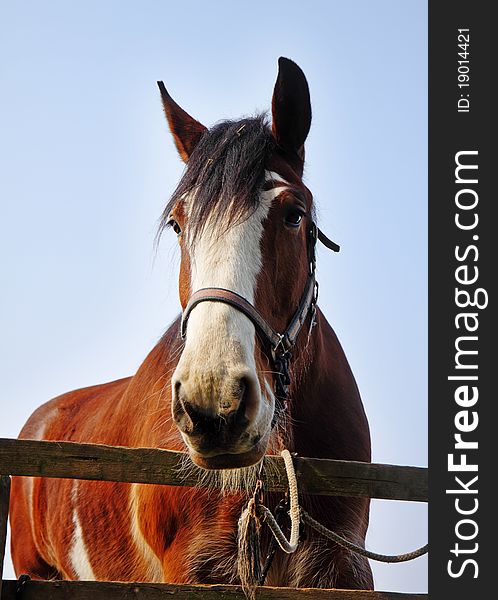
152 563
78 555
229 258
29 482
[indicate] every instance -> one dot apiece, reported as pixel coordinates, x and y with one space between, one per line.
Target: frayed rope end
249 553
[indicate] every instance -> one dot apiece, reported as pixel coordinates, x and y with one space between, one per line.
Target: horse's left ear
185 129
291 108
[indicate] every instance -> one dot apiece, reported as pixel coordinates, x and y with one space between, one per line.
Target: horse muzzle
220 418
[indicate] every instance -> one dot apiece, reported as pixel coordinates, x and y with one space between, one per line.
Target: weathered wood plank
96 590
150 465
4 513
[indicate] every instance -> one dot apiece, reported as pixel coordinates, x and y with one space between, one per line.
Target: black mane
225 173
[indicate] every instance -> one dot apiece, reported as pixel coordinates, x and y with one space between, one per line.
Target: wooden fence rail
99 590
70 460
150 465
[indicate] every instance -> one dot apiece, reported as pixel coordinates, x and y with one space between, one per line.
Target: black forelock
225 173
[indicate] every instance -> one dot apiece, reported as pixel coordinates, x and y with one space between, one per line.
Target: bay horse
222 390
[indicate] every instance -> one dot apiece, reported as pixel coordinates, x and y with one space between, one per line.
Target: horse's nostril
242 387
178 409
244 392
225 416
240 416
195 413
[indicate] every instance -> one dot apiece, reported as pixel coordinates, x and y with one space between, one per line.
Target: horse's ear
185 129
291 108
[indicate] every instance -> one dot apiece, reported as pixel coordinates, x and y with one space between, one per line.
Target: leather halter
280 343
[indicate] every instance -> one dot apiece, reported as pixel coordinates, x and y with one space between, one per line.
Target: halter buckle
313 307
312 239
279 343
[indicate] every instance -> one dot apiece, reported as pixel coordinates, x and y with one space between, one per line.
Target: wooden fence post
4 513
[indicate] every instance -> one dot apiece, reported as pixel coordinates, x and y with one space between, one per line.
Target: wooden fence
149 465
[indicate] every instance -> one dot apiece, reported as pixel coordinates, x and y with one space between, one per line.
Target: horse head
243 218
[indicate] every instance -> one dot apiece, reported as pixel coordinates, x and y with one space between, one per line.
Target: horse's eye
294 217
174 225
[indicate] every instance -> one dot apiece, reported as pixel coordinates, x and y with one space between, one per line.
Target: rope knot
249 565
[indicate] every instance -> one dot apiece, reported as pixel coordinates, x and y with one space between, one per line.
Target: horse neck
326 416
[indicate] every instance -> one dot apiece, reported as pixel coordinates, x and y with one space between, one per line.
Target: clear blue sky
86 165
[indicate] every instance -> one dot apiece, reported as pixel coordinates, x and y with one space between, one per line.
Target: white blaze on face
228 258
273 176
220 342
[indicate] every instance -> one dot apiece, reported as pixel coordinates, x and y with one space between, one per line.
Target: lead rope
338 539
249 555
288 546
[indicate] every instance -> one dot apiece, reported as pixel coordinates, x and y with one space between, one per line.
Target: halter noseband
281 344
